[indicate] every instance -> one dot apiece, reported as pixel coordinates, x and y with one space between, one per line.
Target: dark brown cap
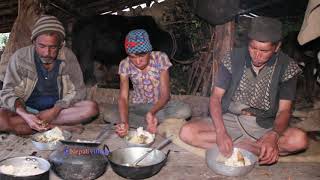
265 29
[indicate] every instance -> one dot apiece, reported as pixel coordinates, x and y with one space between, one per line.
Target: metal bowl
221 168
48 146
19 162
121 160
130 144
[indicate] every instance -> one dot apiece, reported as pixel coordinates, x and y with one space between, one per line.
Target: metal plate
130 144
49 145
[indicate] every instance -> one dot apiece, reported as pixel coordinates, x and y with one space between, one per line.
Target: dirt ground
181 164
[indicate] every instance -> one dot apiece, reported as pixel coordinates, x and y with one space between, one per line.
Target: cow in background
101 38
306 56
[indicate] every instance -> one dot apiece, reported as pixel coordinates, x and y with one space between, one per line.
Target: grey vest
239 56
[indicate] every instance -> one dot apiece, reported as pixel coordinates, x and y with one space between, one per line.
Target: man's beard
47 60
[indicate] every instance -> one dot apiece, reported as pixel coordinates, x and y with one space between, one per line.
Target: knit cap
137 41
265 29
46 24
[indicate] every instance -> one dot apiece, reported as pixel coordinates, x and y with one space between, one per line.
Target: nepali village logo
85 151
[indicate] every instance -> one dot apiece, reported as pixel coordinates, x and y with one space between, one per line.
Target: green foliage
4 37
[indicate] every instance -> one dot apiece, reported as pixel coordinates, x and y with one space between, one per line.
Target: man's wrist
57 109
275 133
151 112
221 131
124 122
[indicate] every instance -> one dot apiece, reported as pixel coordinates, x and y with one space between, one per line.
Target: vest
239 56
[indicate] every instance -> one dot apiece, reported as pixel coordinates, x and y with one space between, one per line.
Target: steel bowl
121 162
48 146
222 169
130 144
19 162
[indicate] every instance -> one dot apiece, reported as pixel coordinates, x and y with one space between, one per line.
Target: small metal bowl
130 144
222 169
48 146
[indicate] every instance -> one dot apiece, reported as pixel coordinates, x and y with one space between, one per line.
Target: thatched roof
65 8
75 8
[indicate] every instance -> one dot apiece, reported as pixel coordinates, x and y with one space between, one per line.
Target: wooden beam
7 19
119 6
224 42
8 11
6 22
5 28
98 3
8 3
65 7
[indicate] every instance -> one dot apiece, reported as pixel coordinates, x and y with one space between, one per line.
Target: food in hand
122 126
141 137
44 124
237 159
52 135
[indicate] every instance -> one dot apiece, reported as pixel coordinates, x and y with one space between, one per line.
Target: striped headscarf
46 24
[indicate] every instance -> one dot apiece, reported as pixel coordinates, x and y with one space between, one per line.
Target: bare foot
74 128
249 146
22 130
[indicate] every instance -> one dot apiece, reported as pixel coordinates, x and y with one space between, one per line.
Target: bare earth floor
181 165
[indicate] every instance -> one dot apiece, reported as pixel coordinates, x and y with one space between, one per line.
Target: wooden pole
223 42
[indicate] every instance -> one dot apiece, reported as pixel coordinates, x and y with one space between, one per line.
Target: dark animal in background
306 56
101 38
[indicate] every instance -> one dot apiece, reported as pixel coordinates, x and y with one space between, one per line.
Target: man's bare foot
73 128
22 130
249 146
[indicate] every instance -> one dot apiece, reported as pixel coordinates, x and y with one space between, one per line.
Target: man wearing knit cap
148 72
252 99
43 85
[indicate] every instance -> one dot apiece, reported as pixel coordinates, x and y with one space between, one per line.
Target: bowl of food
139 138
24 168
121 161
240 163
50 140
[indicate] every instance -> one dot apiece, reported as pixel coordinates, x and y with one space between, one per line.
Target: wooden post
223 42
28 12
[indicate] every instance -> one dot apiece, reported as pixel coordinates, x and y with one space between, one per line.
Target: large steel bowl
19 162
222 169
121 162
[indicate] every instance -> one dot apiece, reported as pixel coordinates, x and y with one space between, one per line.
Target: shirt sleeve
291 71
288 89
164 61
72 80
123 68
226 61
222 78
12 79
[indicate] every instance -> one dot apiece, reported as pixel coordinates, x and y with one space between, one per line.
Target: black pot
120 160
79 161
25 160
